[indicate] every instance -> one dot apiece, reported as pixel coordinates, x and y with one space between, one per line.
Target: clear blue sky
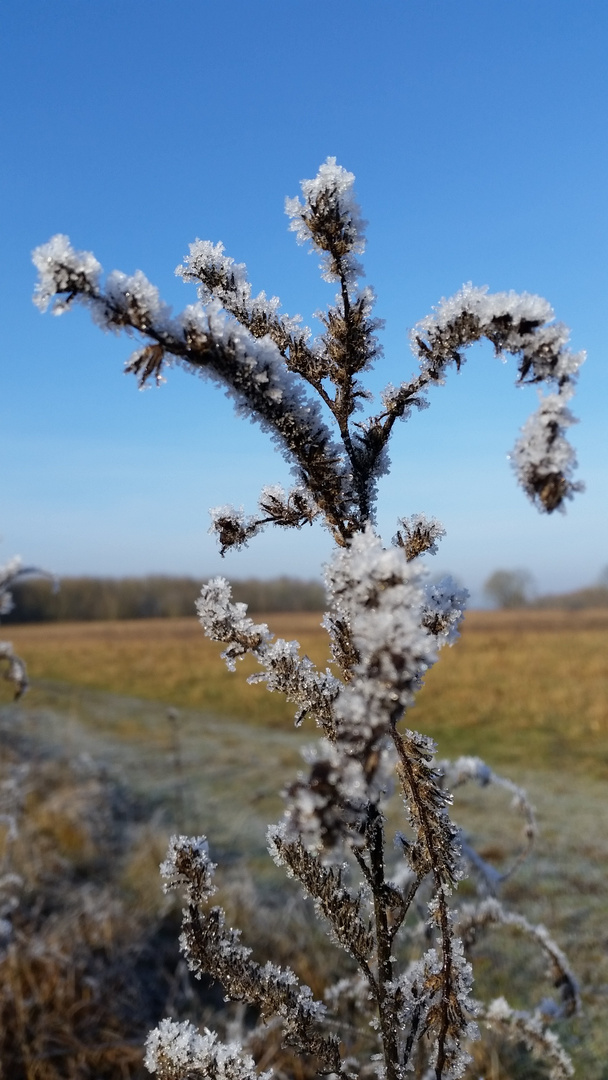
477 130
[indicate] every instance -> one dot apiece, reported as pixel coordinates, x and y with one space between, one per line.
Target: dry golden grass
73 1004
526 686
93 962
167 660
527 691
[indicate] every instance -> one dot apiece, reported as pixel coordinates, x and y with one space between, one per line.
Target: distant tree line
515 589
157 596
593 596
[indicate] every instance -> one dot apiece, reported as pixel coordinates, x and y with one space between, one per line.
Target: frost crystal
132 300
514 323
444 608
330 217
188 866
216 272
418 534
543 458
61 269
232 527
382 597
176 1050
530 1029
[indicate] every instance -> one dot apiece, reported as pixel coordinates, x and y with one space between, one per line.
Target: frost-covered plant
409 944
11 573
12 785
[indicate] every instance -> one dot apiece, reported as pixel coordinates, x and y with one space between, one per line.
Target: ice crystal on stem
465 769
420 534
330 218
410 991
177 1050
543 459
188 866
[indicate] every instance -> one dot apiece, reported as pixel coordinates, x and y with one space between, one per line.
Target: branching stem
449 1000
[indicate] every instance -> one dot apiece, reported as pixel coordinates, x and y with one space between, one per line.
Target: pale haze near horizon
477 136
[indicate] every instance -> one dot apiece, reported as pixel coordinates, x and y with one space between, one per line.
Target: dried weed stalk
409 1005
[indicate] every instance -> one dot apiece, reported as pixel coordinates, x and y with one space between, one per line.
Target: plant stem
388 1027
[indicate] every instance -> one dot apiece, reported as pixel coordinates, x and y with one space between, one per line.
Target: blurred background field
525 687
108 770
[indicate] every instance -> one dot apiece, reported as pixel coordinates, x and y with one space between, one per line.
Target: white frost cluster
486 306
62 269
292 508
514 322
543 452
259 380
444 606
134 296
382 597
284 669
179 1050
232 526
418 992
251 369
207 260
260 361
220 278
530 1029
191 854
277 493
224 621
325 810
421 535
331 189
297 677
379 595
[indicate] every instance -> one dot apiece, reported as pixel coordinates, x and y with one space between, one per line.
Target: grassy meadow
108 773
523 688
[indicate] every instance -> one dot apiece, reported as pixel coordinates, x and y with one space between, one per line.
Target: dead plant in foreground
407 1005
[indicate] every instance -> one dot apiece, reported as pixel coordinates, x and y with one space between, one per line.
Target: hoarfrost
61 269
174 1050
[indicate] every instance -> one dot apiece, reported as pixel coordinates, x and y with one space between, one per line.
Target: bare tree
411 983
509 588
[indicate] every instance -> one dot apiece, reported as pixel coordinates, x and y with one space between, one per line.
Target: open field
527 688
527 691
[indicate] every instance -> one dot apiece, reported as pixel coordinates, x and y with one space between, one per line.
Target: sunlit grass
167 660
519 687
526 691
